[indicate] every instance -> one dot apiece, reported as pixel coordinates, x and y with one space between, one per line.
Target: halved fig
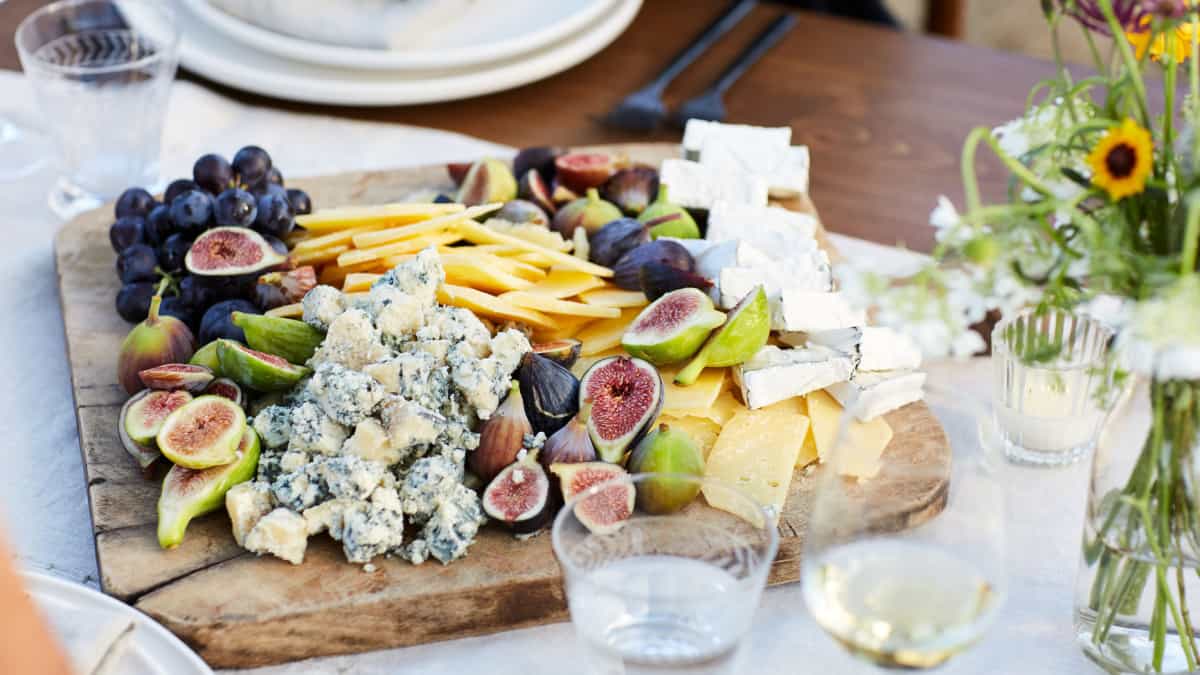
204 432
457 171
563 352
532 187
230 251
289 339
537 158
257 370
620 398
606 495
582 170
142 453
226 388
190 493
673 327
488 180
519 496
173 376
207 356
144 414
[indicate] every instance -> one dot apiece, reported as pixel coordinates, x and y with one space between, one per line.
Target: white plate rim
40 583
299 49
346 88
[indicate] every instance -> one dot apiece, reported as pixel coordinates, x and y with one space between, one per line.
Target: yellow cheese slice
702 430
699 396
858 454
721 411
615 297
563 284
756 452
544 303
491 306
568 327
490 279
380 237
605 334
474 232
584 362
343 217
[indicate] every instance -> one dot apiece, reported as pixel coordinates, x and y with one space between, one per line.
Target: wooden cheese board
239 610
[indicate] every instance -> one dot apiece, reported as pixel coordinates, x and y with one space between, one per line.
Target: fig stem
593 195
662 194
693 369
156 301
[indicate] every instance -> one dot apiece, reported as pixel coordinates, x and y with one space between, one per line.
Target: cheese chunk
696 132
700 429
699 395
696 186
246 504
282 533
858 453
807 273
872 348
811 311
785 168
778 232
869 395
756 452
776 374
721 411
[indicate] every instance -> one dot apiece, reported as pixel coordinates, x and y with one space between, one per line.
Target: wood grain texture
238 610
884 112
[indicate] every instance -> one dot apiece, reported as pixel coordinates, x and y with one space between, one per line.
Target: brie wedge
776 231
785 168
869 395
775 374
696 186
697 132
870 347
811 311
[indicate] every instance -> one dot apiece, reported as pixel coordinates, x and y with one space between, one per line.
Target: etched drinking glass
101 72
1050 382
662 591
905 570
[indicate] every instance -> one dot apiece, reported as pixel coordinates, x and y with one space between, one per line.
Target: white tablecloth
43 506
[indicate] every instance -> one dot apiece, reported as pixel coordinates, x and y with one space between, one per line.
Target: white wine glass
896 583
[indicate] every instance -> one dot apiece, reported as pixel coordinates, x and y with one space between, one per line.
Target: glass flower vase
1139 576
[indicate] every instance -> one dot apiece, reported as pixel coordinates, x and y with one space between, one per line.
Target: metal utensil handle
759 46
730 18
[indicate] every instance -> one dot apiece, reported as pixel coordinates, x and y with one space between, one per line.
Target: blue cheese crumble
376 440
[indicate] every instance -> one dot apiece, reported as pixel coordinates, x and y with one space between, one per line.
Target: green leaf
1076 177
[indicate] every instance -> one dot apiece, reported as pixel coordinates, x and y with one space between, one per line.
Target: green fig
589 212
666 219
257 370
746 329
673 327
207 356
289 339
158 340
190 493
666 451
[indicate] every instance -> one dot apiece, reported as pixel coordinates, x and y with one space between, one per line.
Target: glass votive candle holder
1051 380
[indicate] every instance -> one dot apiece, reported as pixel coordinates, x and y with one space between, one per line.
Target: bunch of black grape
152 238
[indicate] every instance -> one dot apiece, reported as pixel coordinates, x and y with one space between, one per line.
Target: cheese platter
258 581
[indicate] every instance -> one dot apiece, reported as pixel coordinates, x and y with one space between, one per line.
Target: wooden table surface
883 112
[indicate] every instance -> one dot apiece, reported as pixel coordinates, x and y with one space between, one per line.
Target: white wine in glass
910 598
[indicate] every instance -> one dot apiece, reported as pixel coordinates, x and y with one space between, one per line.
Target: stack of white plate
478 52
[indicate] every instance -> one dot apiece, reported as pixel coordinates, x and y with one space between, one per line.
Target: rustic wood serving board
238 610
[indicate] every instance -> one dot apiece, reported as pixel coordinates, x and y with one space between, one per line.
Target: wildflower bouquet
1103 201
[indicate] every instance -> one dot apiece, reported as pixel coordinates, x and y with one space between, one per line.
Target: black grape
300 202
178 187
251 164
133 301
159 225
236 208
137 263
134 202
172 252
274 215
126 232
213 173
191 211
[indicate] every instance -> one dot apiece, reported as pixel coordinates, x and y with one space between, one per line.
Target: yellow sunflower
1181 49
1122 160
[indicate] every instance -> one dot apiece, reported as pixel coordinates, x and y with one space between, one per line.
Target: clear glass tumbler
664 592
1051 379
101 71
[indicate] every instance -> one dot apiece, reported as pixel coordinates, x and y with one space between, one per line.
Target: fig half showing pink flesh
519 496
605 494
143 415
229 251
620 398
172 376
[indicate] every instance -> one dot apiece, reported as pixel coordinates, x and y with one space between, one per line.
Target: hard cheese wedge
756 452
858 455
701 430
721 411
699 396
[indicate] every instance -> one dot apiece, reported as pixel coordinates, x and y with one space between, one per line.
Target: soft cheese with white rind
778 232
803 310
872 348
808 273
696 186
869 395
729 253
776 374
697 132
784 168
